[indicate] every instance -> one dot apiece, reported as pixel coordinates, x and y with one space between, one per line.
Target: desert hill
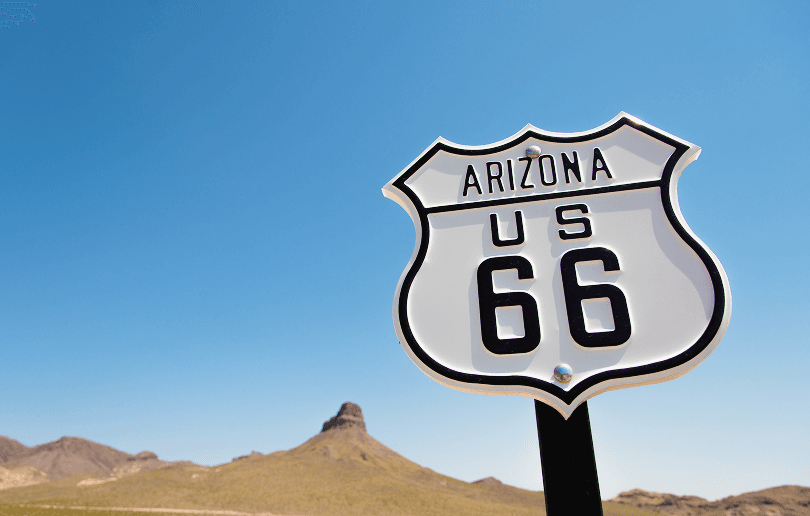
9 448
340 471
776 501
71 456
344 471
65 458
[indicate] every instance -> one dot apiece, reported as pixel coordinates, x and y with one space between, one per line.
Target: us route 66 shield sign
556 266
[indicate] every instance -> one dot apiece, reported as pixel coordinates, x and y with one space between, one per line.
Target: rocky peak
251 455
349 416
144 455
69 444
489 481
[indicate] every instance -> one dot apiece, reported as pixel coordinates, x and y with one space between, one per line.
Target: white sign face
556 266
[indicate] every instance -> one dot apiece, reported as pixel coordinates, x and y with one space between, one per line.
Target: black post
570 482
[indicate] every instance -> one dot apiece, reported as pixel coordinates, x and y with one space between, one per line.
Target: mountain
10 448
67 457
776 501
340 471
70 456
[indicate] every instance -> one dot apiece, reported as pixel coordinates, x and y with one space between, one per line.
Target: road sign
556 266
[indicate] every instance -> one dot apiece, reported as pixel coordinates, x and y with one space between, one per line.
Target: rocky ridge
68 457
251 455
776 501
489 481
144 461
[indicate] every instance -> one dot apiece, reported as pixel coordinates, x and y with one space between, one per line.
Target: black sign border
566 397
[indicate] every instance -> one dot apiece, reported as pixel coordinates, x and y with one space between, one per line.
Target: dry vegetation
339 472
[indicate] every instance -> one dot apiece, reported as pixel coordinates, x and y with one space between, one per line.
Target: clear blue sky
196 258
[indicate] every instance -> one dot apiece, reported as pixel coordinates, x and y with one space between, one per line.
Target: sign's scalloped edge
565 402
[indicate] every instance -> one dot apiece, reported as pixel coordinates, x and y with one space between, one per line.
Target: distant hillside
340 471
776 501
66 458
10 448
69 456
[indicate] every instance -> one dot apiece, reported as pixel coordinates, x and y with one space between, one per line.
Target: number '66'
574 293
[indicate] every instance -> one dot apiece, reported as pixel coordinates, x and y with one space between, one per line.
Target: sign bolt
563 372
533 152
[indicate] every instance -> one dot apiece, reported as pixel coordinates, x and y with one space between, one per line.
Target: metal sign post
570 482
556 266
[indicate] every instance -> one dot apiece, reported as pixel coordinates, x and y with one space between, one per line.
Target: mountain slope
776 501
341 471
10 448
19 477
